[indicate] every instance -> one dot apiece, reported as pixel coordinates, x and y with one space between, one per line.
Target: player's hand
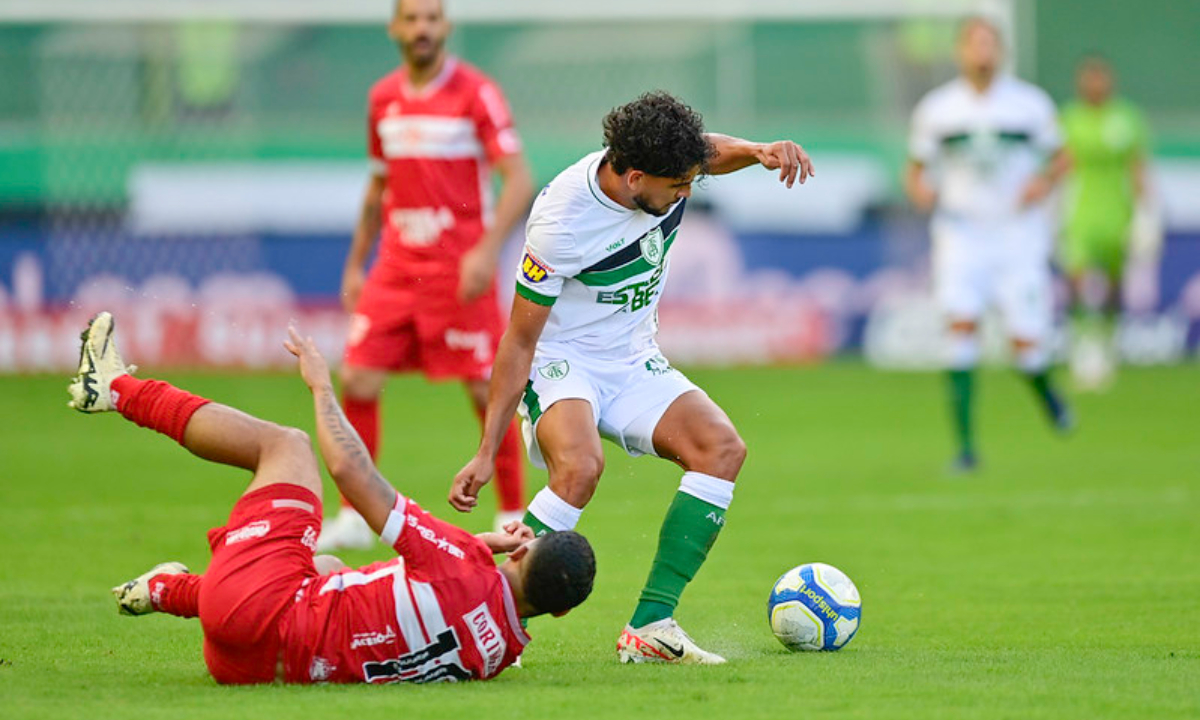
464 492
353 279
1036 191
788 158
313 367
514 536
476 273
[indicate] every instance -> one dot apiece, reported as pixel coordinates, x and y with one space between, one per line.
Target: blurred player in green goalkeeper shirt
1106 138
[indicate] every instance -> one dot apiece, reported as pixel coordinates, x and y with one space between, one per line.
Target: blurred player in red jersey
436 129
442 610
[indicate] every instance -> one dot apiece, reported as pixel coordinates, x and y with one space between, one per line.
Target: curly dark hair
559 572
658 134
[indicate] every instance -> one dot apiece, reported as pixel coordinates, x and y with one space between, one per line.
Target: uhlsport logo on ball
814 607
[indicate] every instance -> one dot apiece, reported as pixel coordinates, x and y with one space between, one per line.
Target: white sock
556 513
712 490
963 351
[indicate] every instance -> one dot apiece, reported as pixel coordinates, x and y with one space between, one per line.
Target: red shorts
405 326
260 558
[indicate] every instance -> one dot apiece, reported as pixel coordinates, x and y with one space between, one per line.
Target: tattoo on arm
356 475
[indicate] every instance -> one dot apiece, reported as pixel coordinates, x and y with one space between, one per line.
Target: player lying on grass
442 610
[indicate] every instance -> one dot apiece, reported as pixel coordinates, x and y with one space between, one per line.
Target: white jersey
600 265
982 149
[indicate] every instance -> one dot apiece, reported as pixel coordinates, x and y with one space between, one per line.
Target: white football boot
134 597
99 364
345 531
662 641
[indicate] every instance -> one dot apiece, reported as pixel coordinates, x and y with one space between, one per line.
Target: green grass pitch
1062 581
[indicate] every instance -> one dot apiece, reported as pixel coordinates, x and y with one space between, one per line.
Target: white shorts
628 396
1006 264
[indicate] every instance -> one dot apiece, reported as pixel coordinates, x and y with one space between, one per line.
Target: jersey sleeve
374 142
431 545
549 259
493 123
922 137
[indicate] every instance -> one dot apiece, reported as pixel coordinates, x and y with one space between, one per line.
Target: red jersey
440 611
436 146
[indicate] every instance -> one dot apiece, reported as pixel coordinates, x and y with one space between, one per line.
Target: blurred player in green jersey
1106 138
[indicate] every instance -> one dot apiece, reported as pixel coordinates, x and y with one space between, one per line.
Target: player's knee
361 383
288 440
728 455
720 453
575 478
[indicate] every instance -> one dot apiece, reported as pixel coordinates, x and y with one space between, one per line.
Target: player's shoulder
386 88
470 75
570 195
1023 90
950 92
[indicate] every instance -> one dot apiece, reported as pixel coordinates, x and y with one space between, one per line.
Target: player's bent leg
510 463
962 357
696 434
570 445
1033 360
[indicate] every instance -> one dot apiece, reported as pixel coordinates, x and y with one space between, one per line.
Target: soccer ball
814 607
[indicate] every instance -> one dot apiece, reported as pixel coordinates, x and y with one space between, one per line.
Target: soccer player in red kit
442 610
436 128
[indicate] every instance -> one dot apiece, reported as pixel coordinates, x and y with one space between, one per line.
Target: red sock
364 417
177 594
156 405
510 472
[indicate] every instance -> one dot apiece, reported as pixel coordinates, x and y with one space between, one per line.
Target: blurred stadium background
197 166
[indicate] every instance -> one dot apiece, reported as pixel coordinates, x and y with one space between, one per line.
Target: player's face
1095 83
979 50
655 195
421 28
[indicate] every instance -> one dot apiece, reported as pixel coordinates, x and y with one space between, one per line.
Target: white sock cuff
555 512
712 490
962 351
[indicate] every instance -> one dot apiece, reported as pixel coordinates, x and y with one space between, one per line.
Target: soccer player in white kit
985 152
581 360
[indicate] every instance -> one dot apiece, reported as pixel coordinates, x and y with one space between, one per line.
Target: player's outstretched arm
344 453
733 154
510 372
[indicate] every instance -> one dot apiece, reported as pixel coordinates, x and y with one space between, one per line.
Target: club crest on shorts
532 269
555 370
652 246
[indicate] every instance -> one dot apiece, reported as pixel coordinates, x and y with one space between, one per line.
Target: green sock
688 532
962 384
539 528
1042 387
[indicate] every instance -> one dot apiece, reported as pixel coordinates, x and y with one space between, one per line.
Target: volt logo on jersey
533 269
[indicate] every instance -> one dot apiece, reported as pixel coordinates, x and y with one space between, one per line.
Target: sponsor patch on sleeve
532 269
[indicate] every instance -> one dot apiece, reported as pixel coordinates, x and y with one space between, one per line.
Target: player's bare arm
733 154
345 456
1044 182
918 188
510 372
478 266
370 220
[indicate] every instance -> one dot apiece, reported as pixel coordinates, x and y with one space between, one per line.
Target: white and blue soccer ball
814 607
